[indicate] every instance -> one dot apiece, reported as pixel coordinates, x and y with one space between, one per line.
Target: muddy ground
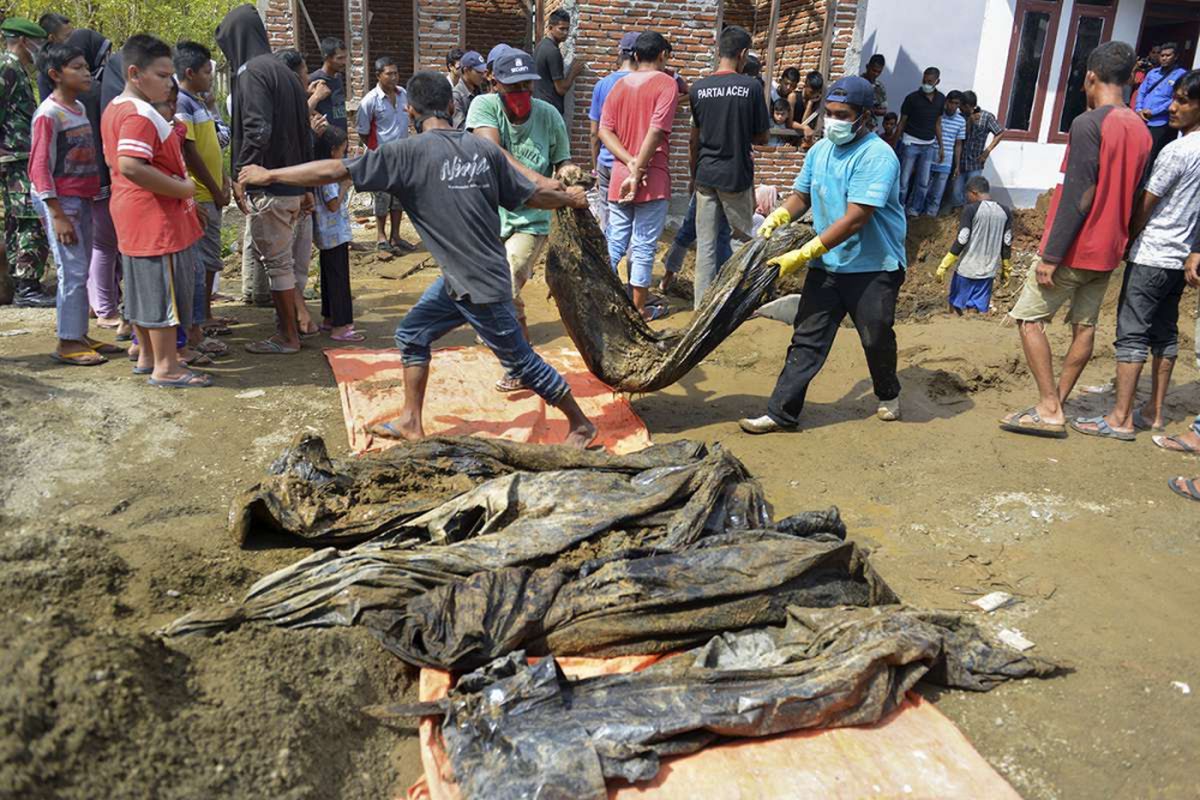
115 498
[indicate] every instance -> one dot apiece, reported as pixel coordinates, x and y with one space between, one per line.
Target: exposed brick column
356 68
439 29
277 17
843 61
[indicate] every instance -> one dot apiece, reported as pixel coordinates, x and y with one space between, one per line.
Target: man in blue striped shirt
941 173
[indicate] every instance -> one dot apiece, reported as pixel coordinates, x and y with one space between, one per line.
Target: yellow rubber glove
944 267
1006 271
794 260
780 216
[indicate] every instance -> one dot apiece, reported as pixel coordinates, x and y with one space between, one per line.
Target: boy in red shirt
634 126
1087 230
152 210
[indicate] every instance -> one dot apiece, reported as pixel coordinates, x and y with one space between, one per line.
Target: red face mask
519 104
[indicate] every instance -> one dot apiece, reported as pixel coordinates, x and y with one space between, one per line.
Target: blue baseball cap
854 90
628 42
515 66
496 52
472 60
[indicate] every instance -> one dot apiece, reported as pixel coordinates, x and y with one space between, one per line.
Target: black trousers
870 300
1160 136
336 305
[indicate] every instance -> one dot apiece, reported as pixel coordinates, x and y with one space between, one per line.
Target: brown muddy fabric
530 519
642 602
515 731
616 343
329 501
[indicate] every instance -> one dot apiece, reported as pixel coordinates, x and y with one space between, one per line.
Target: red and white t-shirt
147 224
638 102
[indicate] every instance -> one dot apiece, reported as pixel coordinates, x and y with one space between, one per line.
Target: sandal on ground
111 323
510 383
349 336
1140 423
651 313
200 359
103 348
310 334
1176 444
143 370
213 348
384 249
400 247
1098 426
217 329
270 347
189 380
1034 427
385 430
79 358
1188 490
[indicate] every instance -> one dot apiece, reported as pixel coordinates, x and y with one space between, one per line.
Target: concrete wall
1020 171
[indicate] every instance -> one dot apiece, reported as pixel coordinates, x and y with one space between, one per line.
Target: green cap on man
19 26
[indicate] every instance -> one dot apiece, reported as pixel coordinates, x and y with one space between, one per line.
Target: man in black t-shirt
333 74
451 183
729 116
921 134
554 80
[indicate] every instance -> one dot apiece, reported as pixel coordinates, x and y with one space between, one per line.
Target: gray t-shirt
1165 240
984 239
451 183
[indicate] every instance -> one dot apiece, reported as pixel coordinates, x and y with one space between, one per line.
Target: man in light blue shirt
383 117
601 158
851 181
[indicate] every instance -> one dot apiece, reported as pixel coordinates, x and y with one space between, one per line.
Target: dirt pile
92 708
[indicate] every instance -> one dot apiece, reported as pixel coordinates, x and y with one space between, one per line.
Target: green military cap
19 26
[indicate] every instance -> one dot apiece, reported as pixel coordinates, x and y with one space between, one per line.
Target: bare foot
402 427
581 436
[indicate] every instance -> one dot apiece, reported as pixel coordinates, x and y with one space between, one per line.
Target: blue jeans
74 261
918 158
958 195
937 188
634 228
437 313
685 238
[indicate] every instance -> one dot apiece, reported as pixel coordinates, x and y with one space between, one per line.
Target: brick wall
843 37
329 18
490 22
356 65
798 43
777 166
278 21
391 34
741 12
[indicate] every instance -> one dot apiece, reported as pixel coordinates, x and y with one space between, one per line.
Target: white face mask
927 88
840 131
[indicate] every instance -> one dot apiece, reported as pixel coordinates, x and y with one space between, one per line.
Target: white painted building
1023 58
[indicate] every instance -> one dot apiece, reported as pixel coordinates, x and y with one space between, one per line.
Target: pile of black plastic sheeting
518 731
616 343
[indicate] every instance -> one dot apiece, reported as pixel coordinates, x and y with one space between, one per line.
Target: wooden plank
771 39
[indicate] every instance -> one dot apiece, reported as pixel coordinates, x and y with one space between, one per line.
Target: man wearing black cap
534 136
24 238
850 180
601 157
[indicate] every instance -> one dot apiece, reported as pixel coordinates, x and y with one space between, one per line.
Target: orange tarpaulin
915 753
461 399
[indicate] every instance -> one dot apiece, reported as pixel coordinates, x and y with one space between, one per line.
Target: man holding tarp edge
850 180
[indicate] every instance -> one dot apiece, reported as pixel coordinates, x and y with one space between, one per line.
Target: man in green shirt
534 137
24 238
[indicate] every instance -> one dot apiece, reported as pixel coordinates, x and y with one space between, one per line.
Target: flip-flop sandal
1035 427
349 336
125 337
198 360
509 384
310 334
107 324
143 370
269 347
656 312
188 381
1140 423
213 348
1102 429
385 430
80 358
1192 492
217 330
402 247
104 348
1180 445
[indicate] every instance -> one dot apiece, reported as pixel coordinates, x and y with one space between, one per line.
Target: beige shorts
523 250
1084 288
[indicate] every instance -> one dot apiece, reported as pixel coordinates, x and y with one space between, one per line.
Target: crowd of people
119 172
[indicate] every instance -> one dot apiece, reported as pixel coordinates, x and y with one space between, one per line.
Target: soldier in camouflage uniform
24 237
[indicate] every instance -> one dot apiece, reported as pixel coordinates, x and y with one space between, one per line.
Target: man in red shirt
635 126
1087 230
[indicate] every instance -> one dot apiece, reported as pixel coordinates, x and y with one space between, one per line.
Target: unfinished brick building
808 34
